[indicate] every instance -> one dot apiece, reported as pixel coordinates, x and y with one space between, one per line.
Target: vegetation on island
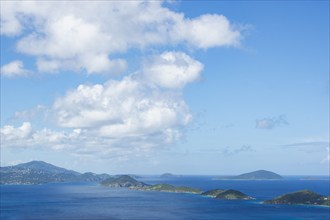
212 193
304 197
122 181
228 194
39 172
171 188
231 194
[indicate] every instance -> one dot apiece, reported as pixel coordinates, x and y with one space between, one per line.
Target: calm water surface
91 201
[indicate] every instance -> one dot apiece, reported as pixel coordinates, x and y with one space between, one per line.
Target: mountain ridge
39 172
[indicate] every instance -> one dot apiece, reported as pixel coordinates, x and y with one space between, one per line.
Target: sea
93 201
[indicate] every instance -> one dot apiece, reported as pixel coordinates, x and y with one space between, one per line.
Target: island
168 175
303 197
171 188
213 192
228 194
125 181
255 175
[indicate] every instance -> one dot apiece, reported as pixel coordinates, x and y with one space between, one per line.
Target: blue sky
184 87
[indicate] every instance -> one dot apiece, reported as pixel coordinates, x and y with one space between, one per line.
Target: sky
207 88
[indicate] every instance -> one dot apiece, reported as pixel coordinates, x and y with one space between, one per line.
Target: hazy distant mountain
43 166
169 175
37 172
255 175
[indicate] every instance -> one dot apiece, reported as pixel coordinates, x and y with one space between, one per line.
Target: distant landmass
126 181
255 175
304 197
38 172
122 181
169 175
231 194
228 194
213 192
171 188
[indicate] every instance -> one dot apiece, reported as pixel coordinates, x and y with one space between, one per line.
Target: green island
229 194
303 197
122 181
40 172
213 193
171 188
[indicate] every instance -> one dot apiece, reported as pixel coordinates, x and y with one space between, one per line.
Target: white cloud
126 108
66 35
173 70
140 112
210 30
127 115
83 143
9 132
118 117
270 123
14 69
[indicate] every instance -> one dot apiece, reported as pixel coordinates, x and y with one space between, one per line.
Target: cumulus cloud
134 113
66 35
14 69
173 70
120 108
80 142
270 123
125 108
9 132
207 31
24 136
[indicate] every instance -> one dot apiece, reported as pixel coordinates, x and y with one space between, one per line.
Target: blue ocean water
92 201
